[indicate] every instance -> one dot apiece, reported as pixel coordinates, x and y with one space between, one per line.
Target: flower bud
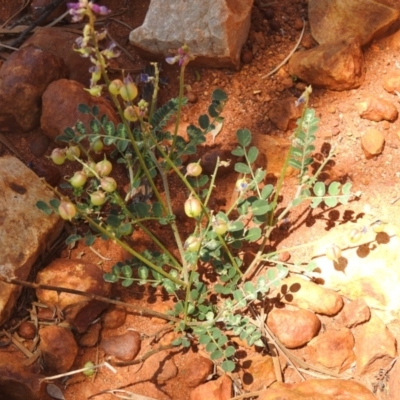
66 210
104 167
194 169
128 91
71 152
115 86
78 180
98 198
192 243
108 184
192 207
241 184
58 156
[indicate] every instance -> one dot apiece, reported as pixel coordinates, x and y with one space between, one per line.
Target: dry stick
290 54
141 310
46 12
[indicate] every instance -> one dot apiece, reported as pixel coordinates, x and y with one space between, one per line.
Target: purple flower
101 10
183 57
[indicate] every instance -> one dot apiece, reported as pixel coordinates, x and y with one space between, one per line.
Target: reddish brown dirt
250 99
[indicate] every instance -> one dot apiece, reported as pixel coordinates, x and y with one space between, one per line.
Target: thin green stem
180 100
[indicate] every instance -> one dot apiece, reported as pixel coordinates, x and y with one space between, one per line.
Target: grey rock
25 231
214 30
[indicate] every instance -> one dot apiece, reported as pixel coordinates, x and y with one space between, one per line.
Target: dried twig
290 54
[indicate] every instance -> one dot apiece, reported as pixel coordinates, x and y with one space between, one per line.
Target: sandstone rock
391 81
365 19
284 114
23 79
114 317
78 310
18 382
91 337
318 389
258 372
377 109
372 142
219 389
375 346
394 382
333 349
215 31
310 296
197 371
338 65
394 41
124 347
355 313
293 328
359 271
60 42
58 348
60 102
25 231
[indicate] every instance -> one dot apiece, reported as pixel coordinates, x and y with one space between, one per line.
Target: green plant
206 312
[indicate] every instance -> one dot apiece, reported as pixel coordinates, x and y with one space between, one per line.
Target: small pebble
27 330
247 56
275 25
192 97
269 13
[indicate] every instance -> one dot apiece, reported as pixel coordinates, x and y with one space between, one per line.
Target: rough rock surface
214 30
391 81
377 109
198 370
125 347
60 42
310 296
18 382
258 372
337 66
294 328
76 274
114 317
23 79
359 271
25 231
355 313
219 389
372 142
60 102
333 349
284 114
318 389
365 19
376 346
58 348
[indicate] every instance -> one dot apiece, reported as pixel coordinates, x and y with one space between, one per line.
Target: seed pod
219 226
192 243
115 86
108 184
104 167
333 253
192 207
98 198
72 152
66 210
78 180
58 156
128 91
194 169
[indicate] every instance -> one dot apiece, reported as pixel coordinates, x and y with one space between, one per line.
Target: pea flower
182 58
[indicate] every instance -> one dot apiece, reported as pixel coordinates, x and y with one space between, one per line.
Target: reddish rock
27 330
124 347
23 79
355 313
61 43
333 349
310 296
294 328
159 368
114 317
375 346
60 102
372 142
220 389
391 81
79 311
197 371
91 337
332 19
18 382
258 372
318 389
37 7
335 66
58 348
377 109
284 114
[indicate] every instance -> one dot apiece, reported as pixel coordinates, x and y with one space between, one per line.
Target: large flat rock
25 231
214 30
